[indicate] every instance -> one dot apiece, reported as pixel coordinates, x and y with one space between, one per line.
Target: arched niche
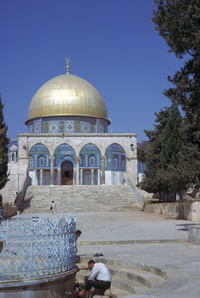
90 156
62 153
115 158
39 157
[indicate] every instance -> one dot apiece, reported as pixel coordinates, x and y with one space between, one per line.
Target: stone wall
9 211
189 210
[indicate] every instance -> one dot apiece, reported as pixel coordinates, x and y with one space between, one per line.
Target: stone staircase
128 278
80 198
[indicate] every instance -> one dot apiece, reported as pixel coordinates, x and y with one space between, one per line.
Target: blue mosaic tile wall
62 153
115 158
67 125
39 157
90 157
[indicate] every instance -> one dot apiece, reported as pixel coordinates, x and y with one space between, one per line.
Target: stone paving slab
176 256
116 226
179 259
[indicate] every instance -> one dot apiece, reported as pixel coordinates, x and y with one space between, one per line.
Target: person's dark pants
97 284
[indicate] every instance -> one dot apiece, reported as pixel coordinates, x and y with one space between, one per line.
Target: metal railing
36 246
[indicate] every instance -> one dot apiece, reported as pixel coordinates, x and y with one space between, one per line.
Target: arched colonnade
68 165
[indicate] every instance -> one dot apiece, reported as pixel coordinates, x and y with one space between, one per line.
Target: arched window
13 156
115 159
92 161
41 161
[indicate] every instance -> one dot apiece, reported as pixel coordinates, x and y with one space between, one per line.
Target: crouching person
99 279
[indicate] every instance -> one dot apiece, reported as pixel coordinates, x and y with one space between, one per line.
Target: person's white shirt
100 272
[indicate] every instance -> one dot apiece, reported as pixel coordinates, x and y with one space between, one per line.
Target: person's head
52 201
86 278
78 233
91 264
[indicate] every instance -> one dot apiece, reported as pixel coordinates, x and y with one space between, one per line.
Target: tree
3 149
172 165
178 22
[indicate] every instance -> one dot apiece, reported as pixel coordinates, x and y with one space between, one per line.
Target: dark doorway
67 173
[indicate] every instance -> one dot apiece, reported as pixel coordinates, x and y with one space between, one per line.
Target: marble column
77 159
41 171
59 176
35 178
103 168
51 169
81 178
99 176
92 176
74 175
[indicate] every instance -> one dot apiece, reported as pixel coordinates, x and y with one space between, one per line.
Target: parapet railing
36 246
139 197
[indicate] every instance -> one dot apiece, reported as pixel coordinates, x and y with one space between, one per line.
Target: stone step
128 278
79 198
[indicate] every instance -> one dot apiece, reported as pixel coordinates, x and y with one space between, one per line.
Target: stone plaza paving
151 239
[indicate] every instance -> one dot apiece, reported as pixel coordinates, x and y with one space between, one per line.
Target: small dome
67 95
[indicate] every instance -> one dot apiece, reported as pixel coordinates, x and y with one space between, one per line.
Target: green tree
178 22
172 165
3 149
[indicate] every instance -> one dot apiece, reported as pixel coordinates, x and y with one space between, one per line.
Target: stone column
51 169
59 176
74 175
119 176
77 159
103 168
41 171
99 176
35 182
81 170
92 176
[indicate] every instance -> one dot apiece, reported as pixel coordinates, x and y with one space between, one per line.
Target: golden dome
67 95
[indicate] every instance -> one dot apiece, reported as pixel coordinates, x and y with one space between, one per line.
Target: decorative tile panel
37 127
53 127
69 126
46 127
77 126
92 128
30 129
61 126
85 127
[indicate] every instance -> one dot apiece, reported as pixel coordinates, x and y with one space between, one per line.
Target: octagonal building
68 143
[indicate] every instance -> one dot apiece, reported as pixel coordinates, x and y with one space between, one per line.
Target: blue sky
111 43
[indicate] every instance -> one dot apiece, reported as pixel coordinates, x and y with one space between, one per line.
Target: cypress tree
178 22
172 164
4 141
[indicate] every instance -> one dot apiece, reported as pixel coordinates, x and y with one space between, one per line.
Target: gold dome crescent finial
67 60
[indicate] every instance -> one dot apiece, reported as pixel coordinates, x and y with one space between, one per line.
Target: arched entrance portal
67 173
